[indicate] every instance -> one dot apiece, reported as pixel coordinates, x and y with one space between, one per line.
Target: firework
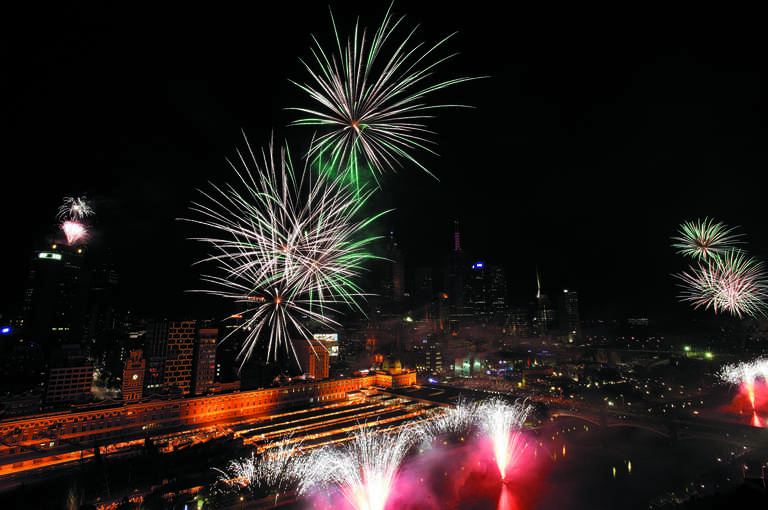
74 208
373 107
459 420
745 371
704 238
74 231
746 375
287 246
733 282
278 468
364 469
503 423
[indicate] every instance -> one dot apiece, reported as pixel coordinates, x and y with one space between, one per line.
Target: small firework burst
74 208
705 238
74 231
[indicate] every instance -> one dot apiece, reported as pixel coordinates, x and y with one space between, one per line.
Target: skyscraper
570 323
179 353
544 316
55 297
205 360
455 273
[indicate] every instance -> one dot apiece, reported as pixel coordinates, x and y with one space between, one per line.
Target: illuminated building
313 357
133 376
487 293
570 315
55 296
205 360
179 353
24 440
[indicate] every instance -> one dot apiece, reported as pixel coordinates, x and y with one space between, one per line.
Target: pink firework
752 379
74 231
503 423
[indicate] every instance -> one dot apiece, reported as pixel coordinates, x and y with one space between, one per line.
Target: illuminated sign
52 256
331 341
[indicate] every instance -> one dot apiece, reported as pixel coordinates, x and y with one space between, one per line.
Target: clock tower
133 376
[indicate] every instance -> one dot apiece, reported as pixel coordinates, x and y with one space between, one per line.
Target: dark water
632 468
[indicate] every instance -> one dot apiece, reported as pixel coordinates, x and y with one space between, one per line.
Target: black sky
594 136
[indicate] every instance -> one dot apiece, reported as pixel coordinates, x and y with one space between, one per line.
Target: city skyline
587 144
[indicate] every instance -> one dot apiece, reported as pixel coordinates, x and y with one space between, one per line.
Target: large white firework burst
745 371
287 245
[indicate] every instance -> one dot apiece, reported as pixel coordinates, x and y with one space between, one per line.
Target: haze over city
573 147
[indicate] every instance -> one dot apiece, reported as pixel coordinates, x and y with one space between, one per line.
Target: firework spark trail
459 420
705 238
373 110
364 469
277 469
732 282
288 246
74 231
503 423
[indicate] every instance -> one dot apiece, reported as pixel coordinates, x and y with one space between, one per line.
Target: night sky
594 135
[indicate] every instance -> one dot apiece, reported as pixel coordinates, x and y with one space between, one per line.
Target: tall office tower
570 323
133 376
488 293
499 308
313 357
205 360
55 297
544 316
433 355
455 274
478 294
155 345
393 272
179 353
104 324
423 288
518 322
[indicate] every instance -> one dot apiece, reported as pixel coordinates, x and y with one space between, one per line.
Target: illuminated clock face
135 376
